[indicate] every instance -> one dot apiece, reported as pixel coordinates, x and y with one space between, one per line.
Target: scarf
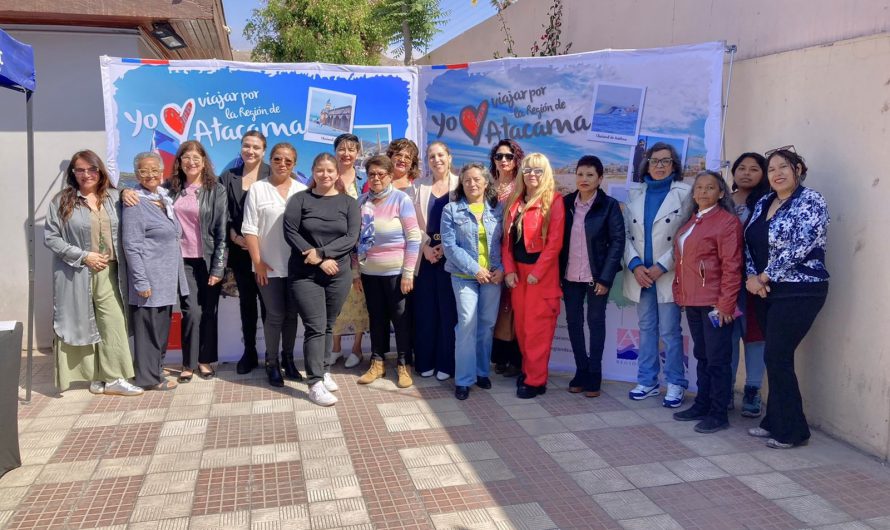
160 196
366 236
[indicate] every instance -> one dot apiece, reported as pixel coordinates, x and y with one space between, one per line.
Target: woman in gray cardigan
151 244
201 208
89 293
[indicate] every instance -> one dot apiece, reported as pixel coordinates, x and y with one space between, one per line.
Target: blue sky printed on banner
226 102
530 101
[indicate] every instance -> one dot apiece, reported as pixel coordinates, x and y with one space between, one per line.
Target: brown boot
375 372
404 377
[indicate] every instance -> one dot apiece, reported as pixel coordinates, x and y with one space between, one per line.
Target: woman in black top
321 225
237 181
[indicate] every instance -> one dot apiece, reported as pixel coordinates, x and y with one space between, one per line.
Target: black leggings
386 303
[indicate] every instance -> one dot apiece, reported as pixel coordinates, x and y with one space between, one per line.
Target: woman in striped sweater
388 247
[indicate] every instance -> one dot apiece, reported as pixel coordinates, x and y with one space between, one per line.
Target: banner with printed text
155 106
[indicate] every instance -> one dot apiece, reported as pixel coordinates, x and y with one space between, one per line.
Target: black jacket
231 181
604 228
213 215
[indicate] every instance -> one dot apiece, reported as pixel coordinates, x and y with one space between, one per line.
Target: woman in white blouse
263 229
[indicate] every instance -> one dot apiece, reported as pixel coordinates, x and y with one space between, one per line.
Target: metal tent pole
731 50
29 112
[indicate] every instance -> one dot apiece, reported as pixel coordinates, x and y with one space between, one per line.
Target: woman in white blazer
435 313
652 216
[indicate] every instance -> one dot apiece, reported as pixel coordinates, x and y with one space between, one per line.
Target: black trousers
248 294
319 299
785 322
280 324
151 331
386 304
200 338
712 349
435 316
588 362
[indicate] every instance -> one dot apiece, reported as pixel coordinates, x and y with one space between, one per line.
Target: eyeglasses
777 149
194 159
660 162
144 173
380 175
402 157
536 171
504 156
282 160
92 171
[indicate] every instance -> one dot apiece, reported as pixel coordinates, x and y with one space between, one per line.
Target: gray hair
146 155
726 202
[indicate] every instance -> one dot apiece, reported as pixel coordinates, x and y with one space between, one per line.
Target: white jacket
674 211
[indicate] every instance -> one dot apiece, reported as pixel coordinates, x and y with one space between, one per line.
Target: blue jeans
754 365
477 311
659 321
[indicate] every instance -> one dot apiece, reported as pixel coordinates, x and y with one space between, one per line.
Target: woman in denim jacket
471 236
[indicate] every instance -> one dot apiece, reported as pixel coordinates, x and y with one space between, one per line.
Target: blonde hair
542 195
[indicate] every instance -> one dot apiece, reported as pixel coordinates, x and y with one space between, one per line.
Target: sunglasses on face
283 160
536 171
92 171
504 156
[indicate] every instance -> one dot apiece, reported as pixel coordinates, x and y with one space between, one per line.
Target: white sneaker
428 373
352 361
319 395
442 376
335 356
673 398
329 383
640 392
97 387
122 387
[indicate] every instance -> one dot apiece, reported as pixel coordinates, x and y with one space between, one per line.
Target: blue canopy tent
17 73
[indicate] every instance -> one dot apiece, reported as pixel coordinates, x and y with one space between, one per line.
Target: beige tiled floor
234 453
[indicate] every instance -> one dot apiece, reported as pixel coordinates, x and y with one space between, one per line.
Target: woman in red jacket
709 268
533 224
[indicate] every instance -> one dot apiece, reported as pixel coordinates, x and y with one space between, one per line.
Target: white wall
68 116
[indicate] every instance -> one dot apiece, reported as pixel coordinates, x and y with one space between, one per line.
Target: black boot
247 362
290 369
274 373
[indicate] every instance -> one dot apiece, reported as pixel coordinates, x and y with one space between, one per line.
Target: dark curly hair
518 155
793 160
177 179
405 144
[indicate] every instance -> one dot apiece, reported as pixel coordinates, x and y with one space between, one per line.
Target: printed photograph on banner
678 142
617 112
328 114
374 139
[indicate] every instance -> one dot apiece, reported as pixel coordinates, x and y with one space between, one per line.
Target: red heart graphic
177 119
472 119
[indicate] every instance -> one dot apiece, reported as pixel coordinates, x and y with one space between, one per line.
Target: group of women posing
429 257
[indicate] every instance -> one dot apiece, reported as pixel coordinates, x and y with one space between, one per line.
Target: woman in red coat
707 283
533 223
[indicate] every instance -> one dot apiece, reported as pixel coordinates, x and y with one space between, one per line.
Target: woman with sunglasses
533 224
155 271
201 206
353 317
89 281
504 161
263 230
785 264
652 216
236 182
435 313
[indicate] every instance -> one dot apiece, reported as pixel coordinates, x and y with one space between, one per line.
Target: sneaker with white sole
97 387
673 398
428 373
320 395
640 392
442 376
329 383
352 361
122 387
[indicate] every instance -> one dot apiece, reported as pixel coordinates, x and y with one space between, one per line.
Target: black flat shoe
461 392
274 374
500 368
483 382
711 425
690 414
247 363
528 392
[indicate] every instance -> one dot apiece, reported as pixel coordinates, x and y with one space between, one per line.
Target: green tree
410 24
329 31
